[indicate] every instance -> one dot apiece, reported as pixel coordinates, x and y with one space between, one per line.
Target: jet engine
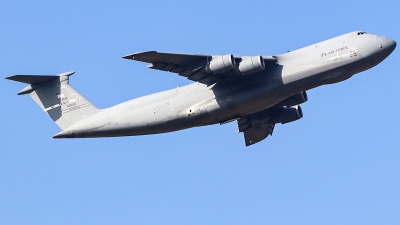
221 64
288 114
294 100
250 65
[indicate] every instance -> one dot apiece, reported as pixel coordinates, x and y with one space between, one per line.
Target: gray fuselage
197 104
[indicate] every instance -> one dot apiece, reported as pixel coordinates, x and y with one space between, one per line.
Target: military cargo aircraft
256 91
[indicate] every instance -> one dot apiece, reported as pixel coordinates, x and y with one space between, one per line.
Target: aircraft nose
372 49
392 45
386 47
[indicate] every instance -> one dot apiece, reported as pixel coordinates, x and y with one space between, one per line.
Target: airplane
256 91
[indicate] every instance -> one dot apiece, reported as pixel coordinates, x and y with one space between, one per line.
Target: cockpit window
361 33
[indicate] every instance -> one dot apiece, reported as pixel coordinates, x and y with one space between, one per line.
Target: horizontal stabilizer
36 79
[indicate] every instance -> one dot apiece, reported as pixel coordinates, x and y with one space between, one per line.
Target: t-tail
59 100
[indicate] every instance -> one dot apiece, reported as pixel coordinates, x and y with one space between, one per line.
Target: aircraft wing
187 65
258 126
255 130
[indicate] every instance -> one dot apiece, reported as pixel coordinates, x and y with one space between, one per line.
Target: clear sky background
339 164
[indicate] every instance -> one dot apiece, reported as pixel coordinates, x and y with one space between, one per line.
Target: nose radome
392 44
386 46
389 45
373 50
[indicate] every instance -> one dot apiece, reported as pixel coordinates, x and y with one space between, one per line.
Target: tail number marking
70 104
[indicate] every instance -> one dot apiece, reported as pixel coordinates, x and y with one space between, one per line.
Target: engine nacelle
221 64
294 100
288 114
250 65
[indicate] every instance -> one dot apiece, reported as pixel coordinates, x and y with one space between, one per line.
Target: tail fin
59 100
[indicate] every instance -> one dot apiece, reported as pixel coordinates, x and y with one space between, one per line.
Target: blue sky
339 164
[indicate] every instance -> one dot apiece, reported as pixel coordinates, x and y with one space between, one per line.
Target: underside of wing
206 69
258 126
255 130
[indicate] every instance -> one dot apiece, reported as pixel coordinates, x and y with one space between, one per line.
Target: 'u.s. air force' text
323 54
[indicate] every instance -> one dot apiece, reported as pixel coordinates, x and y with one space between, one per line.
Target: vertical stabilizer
57 98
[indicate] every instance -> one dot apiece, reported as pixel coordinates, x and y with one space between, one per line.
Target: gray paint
256 100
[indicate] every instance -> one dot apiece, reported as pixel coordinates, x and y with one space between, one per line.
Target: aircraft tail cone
64 134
